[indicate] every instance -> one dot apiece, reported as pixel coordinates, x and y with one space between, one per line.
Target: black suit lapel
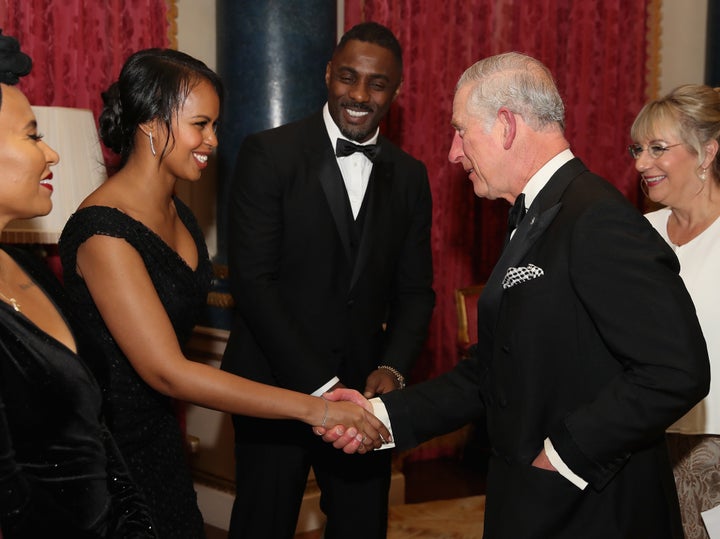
539 216
323 165
332 183
530 229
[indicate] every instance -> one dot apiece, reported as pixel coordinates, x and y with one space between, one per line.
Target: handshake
356 429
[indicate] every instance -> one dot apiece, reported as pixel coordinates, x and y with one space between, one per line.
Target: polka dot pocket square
521 274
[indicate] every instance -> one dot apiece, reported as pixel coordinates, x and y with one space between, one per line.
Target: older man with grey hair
588 344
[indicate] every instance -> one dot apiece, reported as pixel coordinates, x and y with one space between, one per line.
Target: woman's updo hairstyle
153 83
13 63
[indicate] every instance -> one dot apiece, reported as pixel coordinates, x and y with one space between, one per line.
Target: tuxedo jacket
317 293
587 336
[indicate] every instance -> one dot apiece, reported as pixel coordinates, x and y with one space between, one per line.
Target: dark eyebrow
347 69
352 71
32 124
379 76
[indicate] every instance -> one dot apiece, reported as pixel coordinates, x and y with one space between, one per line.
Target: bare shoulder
109 194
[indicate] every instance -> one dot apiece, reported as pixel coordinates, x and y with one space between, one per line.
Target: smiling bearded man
331 272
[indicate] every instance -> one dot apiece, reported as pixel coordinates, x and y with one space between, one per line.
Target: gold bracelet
399 377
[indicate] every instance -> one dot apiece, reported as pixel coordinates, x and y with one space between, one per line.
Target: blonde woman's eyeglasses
654 150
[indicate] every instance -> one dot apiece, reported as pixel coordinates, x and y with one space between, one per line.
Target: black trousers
273 459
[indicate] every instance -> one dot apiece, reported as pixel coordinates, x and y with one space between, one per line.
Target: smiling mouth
357 113
201 157
653 180
356 110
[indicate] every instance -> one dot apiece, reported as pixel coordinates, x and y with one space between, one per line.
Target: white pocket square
519 275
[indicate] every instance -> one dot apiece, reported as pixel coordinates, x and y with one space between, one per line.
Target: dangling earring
702 174
152 146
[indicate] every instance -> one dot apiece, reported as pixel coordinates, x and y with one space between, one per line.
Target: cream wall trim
682 52
196 33
340 19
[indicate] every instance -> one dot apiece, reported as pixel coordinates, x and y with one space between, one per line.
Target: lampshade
73 135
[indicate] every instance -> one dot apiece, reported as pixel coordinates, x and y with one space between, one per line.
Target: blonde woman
676 140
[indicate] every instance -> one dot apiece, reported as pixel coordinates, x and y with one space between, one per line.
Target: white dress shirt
355 170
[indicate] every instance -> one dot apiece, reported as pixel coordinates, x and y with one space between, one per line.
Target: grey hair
518 82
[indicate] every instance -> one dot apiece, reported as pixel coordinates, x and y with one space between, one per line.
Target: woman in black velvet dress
137 271
61 474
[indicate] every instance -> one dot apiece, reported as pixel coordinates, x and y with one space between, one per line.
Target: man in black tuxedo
331 272
588 344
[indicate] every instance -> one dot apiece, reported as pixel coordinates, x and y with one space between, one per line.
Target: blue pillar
271 55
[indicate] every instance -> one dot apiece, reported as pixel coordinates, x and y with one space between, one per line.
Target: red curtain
597 52
78 47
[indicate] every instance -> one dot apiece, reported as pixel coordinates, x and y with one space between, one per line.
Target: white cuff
323 389
380 411
561 467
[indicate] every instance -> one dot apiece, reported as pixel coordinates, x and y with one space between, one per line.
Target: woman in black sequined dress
137 272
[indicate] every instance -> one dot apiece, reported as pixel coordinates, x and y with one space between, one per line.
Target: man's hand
378 382
541 461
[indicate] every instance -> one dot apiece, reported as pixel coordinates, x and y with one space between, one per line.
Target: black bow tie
516 214
345 147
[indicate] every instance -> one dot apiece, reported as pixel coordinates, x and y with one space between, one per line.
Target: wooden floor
427 480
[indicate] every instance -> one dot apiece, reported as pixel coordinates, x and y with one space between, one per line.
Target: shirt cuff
380 411
561 467
324 388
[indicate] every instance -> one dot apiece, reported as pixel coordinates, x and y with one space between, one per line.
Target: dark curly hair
13 63
153 83
372 32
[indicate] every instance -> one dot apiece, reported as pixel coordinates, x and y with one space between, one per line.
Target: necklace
11 301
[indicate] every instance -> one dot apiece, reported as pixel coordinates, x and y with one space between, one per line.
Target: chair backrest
466 304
